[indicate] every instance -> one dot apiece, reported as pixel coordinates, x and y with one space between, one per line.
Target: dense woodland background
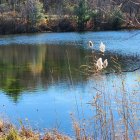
22 16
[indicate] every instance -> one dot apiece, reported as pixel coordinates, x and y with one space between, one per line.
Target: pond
42 83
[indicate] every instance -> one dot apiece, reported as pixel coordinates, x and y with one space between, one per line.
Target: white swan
90 44
102 47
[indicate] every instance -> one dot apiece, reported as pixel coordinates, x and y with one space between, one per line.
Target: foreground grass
9 132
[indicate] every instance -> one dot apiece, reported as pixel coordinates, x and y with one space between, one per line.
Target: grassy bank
9 132
16 26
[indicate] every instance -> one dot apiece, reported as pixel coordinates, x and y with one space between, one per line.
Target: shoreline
122 29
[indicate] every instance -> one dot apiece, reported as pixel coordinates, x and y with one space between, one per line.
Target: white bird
102 47
105 64
99 64
90 44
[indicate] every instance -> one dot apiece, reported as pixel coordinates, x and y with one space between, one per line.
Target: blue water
127 41
38 87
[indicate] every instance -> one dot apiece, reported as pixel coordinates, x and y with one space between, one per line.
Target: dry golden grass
55 136
9 132
1 125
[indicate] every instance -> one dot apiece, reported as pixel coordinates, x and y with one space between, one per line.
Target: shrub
96 18
65 25
116 19
33 12
82 13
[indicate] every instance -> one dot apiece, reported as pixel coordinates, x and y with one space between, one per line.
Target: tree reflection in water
25 67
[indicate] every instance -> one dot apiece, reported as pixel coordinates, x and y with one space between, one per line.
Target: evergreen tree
82 14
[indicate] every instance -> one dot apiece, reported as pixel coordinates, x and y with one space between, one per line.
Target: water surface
41 80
